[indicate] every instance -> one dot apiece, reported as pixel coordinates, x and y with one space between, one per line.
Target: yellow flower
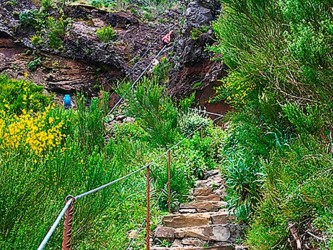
31 131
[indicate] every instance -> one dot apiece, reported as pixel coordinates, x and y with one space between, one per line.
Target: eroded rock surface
96 63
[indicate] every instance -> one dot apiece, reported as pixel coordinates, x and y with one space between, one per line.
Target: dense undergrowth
278 152
47 153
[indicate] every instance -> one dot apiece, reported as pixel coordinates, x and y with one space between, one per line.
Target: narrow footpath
203 223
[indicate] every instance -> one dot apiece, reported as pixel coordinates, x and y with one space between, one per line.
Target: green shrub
29 18
36 40
34 64
106 34
46 27
155 111
46 5
191 122
33 186
56 31
18 95
297 189
197 32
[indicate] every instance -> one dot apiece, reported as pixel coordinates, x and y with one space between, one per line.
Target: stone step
224 247
210 197
197 219
202 191
215 232
204 206
219 233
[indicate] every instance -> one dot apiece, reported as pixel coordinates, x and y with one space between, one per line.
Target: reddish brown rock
203 191
165 233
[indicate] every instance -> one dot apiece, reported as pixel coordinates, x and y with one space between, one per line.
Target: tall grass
280 82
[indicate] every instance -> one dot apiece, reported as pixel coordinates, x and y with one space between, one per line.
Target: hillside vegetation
47 153
278 153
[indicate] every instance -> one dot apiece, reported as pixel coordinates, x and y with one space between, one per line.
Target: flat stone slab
186 220
204 206
187 211
197 219
193 242
240 247
167 233
208 233
224 247
222 217
210 197
202 191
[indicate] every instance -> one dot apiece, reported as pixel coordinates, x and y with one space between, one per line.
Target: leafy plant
106 34
34 64
196 32
18 95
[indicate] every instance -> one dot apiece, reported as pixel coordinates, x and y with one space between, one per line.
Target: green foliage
197 32
149 10
280 80
34 64
298 189
189 161
155 111
47 28
106 34
242 149
46 5
191 122
306 121
102 3
36 40
28 18
18 95
56 31
90 124
33 186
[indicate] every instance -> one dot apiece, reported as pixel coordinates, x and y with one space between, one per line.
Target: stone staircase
203 223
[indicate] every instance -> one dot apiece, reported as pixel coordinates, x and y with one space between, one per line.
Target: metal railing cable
147 165
54 226
149 48
109 184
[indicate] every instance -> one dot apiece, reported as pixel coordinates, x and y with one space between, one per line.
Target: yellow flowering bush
16 95
235 89
36 132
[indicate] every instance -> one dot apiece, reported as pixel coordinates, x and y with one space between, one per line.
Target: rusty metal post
67 236
169 181
148 209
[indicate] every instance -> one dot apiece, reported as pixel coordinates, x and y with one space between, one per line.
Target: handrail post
67 235
169 181
148 209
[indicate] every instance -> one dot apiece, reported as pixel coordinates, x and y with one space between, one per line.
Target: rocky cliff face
83 61
194 70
